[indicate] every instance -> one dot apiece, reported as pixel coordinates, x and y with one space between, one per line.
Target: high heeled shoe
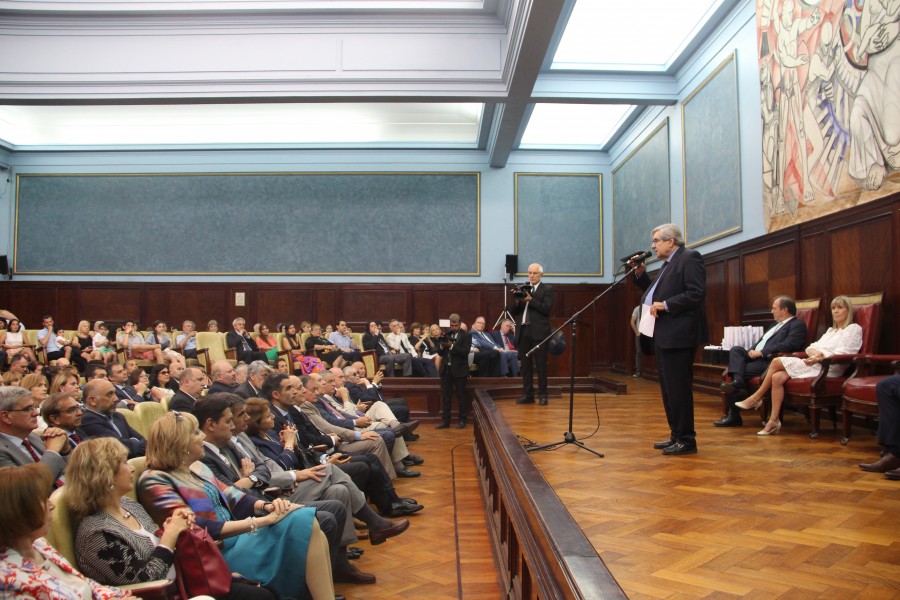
747 405
772 431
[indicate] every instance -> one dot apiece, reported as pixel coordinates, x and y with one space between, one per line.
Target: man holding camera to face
531 307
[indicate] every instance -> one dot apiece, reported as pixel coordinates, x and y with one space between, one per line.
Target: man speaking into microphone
531 309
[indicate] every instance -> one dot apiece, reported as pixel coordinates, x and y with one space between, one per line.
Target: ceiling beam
606 88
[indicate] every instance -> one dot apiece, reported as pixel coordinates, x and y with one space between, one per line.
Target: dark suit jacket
497 337
245 390
458 355
225 473
182 402
11 456
307 433
683 288
233 340
94 425
790 338
370 342
218 386
127 392
345 421
538 312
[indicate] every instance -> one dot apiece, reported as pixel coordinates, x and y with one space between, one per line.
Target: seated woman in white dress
844 337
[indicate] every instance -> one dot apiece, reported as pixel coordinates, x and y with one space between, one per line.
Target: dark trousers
741 365
400 408
536 362
369 475
448 384
675 368
422 367
888 393
488 361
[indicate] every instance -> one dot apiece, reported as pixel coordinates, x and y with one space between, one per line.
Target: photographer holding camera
533 303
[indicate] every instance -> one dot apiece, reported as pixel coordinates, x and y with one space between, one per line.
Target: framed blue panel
711 151
641 193
247 223
559 222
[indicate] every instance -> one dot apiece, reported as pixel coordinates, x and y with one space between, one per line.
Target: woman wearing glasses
277 543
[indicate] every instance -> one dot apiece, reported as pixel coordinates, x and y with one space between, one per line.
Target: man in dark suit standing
676 300
787 335
455 372
100 418
534 326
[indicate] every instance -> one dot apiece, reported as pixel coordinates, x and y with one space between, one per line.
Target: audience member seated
223 377
83 346
787 335
176 372
360 400
160 381
341 338
267 343
35 383
373 340
100 418
20 444
159 336
66 382
127 395
140 381
844 337
302 362
19 364
505 338
62 410
324 349
282 366
192 383
212 326
30 567
420 338
135 346
187 339
101 343
240 372
12 341
243 344
95 371
399 343
486 346
277 542
256 376
47 338
370 391
888 393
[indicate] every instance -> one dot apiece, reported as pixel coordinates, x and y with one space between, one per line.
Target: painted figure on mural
875 118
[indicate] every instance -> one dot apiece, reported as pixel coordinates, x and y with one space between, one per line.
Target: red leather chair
827 392
808 312
859 392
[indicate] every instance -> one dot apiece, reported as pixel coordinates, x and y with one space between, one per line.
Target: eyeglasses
72 410
26 409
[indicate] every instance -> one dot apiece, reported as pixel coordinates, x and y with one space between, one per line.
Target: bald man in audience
223 378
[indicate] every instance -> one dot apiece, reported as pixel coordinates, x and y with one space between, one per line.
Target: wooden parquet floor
776 517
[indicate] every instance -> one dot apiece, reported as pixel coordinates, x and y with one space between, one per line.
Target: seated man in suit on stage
787 335
240 340
223 377
62 410
19 444
100 418
399 343
192 383
373 340
256 376
505 338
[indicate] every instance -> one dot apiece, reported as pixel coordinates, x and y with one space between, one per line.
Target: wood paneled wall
851 252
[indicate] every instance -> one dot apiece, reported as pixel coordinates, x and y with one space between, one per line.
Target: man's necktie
506 342
762 343
37 458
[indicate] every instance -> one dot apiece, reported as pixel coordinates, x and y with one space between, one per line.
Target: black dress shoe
461 424
543 401
729 387
397 527
413 459
730 420
663 445
893 474
442 425
408 500
411 437
354 575
679 448
886 463
402 509
404 472
525 400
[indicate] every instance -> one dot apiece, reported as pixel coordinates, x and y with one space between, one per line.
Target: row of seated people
242 450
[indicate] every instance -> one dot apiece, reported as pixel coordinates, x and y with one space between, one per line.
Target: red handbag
200 568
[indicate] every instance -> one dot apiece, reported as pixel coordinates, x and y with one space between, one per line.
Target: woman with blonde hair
278 543
115 541
844 337
67 383
29 566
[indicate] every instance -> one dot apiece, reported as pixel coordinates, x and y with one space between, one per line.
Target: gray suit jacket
10 456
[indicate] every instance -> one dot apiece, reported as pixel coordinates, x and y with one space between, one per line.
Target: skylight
353 124
573 126
639 35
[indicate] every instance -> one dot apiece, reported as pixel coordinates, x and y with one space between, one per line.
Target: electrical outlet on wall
240 299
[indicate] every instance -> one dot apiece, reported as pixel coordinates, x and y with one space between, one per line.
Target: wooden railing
540 550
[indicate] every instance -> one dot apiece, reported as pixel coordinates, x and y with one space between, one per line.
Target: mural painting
830 93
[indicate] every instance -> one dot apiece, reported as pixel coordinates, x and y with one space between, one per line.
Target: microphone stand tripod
505 313
568 436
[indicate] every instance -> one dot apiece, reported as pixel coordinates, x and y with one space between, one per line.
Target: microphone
637 257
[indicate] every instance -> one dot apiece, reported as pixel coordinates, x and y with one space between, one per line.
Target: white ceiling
591 35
